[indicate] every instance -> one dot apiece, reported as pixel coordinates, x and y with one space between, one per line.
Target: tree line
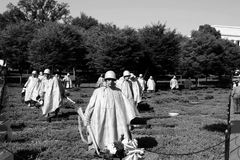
36 34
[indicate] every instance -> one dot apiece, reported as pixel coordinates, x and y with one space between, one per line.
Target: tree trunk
196 82
20 79
20 71
74 73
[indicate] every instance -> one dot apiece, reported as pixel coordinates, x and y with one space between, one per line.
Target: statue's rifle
89 129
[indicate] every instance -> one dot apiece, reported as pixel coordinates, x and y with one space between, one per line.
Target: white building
229 32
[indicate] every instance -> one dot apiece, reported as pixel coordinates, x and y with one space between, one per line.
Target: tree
84 21
43 10
206 54
161 48
113 49
14 40
11 16
189 63
229 60
57 45
207 29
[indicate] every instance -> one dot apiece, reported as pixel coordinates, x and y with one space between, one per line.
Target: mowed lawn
200 124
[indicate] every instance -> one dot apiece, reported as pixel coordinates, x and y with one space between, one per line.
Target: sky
181 15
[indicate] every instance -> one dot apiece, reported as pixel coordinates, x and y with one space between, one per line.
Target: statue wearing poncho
109 113
151 85
68 81
52 94
32 86
136 88
174 83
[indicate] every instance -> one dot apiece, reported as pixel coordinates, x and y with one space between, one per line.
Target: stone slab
4 126
3 136
5 129
2 117
5 155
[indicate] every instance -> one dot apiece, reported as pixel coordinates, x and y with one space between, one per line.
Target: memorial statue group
111 108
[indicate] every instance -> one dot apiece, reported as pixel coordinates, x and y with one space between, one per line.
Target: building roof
229 32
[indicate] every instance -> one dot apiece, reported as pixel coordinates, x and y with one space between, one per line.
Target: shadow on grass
26 154
219 127
148 95
138 120
67 93
157 117
144 107
176 92
146 142
169 125
209 97
84 95
20 140
79 101
18 126
193 99
142 122
68 106
75 89
66 115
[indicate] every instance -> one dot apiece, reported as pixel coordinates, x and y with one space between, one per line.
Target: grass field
201 123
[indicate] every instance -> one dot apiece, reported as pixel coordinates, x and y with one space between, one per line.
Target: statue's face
126 77
47 75
110 82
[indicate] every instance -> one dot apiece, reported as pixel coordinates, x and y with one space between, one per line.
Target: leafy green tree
57 45
43 10
84 21
161 48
